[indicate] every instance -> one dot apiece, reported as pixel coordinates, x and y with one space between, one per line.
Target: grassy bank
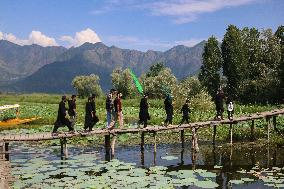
45 106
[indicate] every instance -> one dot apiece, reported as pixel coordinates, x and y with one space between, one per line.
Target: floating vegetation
86 171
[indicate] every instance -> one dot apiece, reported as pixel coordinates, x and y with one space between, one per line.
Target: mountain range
33 68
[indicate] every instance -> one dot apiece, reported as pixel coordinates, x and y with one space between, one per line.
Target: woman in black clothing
185 112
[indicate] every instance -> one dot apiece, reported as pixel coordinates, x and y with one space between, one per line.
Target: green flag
136 82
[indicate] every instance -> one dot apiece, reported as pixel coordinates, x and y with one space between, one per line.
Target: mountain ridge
101 59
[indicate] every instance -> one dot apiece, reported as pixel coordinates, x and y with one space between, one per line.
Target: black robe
89 121
61 116
144 114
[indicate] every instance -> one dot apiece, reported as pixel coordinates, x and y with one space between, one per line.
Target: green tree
280 35
122 81
252 47
234 60
157 86
87 85
155 69
212 63
271 57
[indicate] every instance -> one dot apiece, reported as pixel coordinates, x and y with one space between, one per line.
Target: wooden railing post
182 138
252 131
63 144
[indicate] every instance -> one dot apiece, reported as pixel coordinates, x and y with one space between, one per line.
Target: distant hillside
101 60
20 61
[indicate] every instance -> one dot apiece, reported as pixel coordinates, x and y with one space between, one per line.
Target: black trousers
169 118
63 123
184 119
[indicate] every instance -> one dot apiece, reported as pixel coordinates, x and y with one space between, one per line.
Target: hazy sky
134 24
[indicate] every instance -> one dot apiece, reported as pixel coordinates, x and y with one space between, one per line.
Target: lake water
223 166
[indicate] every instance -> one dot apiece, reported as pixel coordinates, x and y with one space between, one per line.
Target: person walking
219 105
169 110
111 114
230 108
118 109
61 117
185 110
144 111
72 111
90 114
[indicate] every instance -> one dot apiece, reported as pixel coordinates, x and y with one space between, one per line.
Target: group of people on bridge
113 105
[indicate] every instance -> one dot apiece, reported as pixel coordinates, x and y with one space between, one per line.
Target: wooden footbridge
270 117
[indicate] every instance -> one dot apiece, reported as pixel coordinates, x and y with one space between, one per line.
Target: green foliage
87 85
159 85
234 60
209 75
122 81
280 35
155 69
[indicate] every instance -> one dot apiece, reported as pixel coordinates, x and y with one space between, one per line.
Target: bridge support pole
252 131
231 133
194 140
142 140
155 142
107 142
214 134
6 151
268 128
274 123
2 150
63 144
182 138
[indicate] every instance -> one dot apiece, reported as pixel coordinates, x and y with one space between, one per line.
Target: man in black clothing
72 110
144 114
61 117
219 104
169 109
185 112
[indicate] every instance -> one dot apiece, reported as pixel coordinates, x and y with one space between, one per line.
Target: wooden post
194 140
274 123
252 131
231 133
214 134
63 144
155 142
268 128
142 140
107 142
2 150
112 146
6 151
182 138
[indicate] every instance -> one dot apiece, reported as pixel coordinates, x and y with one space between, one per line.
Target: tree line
248 65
